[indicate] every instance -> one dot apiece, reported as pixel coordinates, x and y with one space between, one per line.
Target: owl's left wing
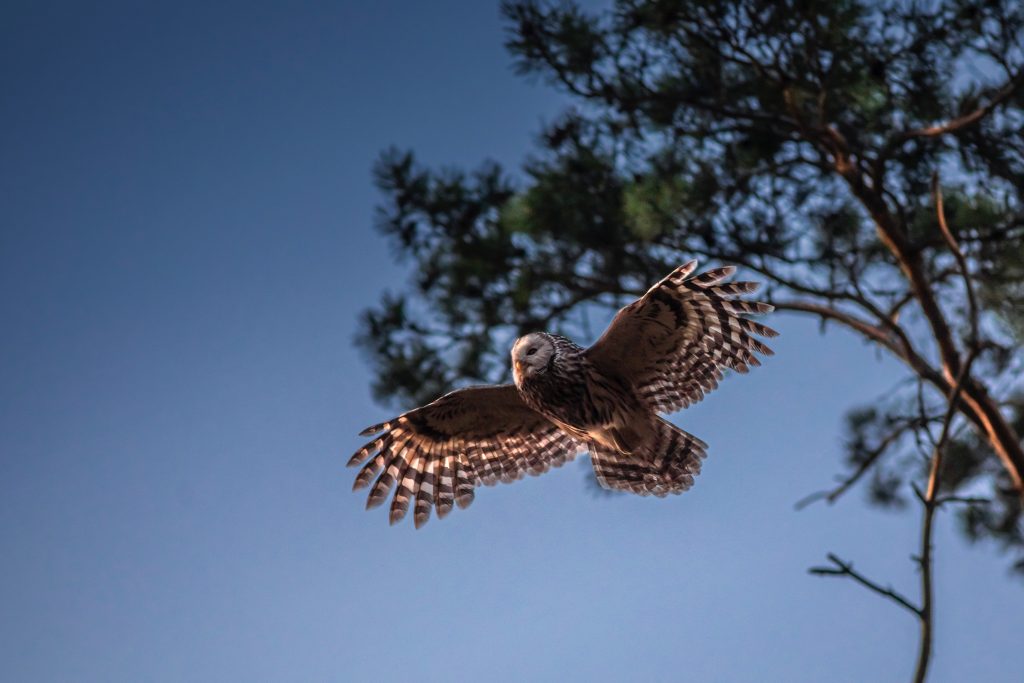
440 452
672 343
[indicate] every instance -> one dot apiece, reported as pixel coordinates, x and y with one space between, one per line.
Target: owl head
531 355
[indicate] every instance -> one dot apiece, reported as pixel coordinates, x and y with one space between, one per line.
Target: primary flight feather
660 354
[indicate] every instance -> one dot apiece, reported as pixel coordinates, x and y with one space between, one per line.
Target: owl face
530 355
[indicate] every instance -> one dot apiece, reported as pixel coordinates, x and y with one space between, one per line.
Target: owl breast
561 398
576 396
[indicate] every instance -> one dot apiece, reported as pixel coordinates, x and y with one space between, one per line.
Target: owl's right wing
672 343
440 452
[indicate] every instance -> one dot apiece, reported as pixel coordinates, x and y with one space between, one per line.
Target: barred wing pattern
439 453
668 465
672 343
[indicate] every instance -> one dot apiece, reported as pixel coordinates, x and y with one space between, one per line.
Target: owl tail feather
664 462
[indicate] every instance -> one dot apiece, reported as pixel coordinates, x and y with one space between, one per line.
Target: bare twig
870 459
966 500
842 568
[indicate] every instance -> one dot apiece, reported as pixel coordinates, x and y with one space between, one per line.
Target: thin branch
931 503
972 302
893 314
953 125
922 410
930 499
965 500
872 457
842 568
867 329
907 354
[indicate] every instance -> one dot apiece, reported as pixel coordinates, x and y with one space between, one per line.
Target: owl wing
672 343
440 452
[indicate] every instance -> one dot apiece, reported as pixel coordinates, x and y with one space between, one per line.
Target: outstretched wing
440 452
672 343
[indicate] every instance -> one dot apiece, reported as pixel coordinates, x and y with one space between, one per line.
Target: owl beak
519 367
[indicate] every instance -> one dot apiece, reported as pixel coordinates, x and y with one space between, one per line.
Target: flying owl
660 354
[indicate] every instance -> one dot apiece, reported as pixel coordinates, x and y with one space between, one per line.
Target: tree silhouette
800 140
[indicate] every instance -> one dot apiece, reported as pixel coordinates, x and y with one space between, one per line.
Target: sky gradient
186 246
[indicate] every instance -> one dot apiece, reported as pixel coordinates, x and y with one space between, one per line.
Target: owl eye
531 352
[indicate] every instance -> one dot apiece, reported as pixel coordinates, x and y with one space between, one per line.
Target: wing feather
672 344
434 456
425 490
445 485
464 483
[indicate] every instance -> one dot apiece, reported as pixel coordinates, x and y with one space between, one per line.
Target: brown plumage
661 353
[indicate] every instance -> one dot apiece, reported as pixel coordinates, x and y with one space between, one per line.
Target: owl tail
666 461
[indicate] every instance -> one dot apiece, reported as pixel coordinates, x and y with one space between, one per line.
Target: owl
660 354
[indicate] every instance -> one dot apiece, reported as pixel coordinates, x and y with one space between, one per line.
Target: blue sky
186 245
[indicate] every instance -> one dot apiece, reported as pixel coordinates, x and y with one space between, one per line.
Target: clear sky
186 244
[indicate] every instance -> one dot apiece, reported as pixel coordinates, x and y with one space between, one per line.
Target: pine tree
813 143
